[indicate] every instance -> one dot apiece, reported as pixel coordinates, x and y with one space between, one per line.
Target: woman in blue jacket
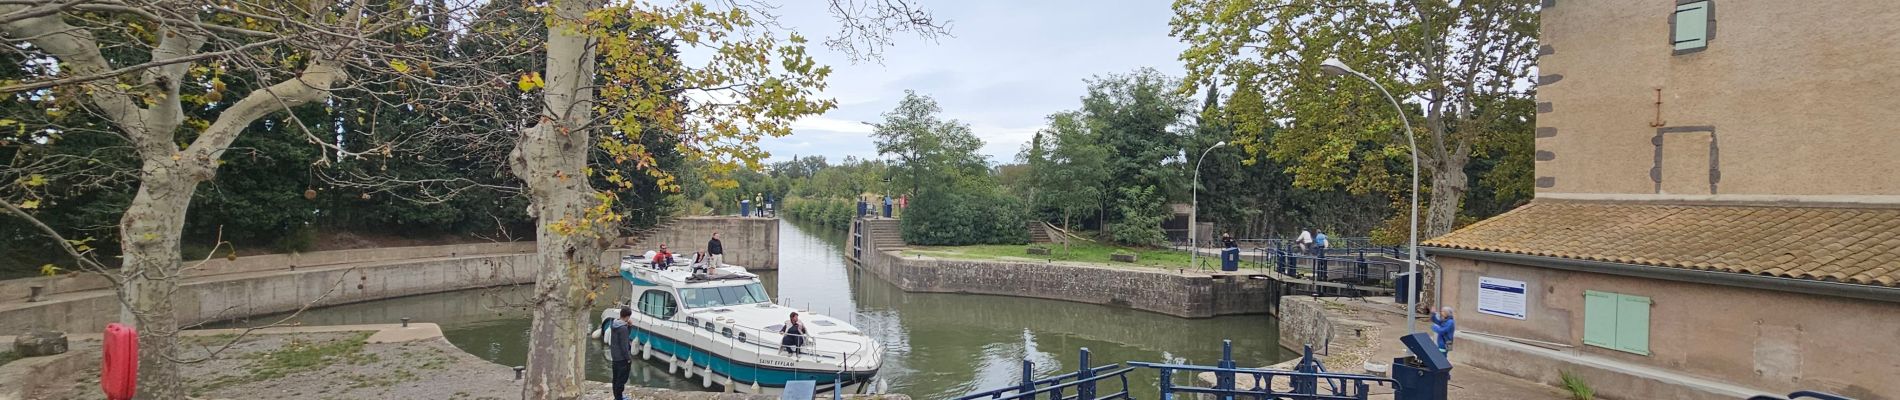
1444 327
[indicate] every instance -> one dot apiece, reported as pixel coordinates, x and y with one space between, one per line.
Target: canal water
941 345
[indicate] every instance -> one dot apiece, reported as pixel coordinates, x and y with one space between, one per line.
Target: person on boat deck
794 332
621 352
662 259
699 263
717 250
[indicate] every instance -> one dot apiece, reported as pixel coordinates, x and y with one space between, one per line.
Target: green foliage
966 216
930 151
300 239
1579 390
1070 179
1142 213
828 212
1346 134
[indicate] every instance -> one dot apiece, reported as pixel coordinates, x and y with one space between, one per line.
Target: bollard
1029 378
1224 380
1086 390
405 322
35 297
518 370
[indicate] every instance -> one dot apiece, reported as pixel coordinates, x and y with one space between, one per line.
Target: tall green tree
1075 172
1445 59
929 149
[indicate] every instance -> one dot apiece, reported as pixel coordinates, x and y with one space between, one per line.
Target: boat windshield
724 296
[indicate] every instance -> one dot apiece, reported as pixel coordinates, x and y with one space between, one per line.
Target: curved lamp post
1194 190
1333 67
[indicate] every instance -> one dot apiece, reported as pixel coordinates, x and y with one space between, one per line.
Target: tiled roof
1850 245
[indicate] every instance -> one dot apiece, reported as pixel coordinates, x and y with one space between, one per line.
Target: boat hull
739 372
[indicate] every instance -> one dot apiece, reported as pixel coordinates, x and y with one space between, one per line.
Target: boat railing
735 335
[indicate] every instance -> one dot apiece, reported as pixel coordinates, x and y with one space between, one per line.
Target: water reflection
940 345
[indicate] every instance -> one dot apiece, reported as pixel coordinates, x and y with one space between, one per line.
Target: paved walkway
1384 319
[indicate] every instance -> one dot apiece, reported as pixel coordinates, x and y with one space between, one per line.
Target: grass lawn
1096 253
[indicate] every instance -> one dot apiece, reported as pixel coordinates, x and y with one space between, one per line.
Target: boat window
690 321
724 296
742 336
658 304
709 326
727 332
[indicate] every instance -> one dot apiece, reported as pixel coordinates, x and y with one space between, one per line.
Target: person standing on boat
794 332
621 353
717 251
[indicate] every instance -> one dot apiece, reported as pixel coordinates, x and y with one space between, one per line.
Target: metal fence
1085 384
1308 381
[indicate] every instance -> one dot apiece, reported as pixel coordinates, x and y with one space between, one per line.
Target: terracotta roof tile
1850 245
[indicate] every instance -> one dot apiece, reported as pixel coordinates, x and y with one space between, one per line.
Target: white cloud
823 123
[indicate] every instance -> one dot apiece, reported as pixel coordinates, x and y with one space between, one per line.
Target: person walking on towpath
717 251
621 352
1444 327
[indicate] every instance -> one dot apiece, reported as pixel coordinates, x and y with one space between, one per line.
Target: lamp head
1222 143
1334 67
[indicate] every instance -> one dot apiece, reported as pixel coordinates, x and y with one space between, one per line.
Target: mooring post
1086 390
1029 377
405 322
1167 383
35 295
518 370
1224 380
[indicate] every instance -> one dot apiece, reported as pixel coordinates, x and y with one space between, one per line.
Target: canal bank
1186 294
940 345
224 289
338 361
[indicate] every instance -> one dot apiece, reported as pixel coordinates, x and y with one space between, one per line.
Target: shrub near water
954 219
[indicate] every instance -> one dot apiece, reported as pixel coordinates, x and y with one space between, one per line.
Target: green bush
300 239
1141 218
952 218
830 213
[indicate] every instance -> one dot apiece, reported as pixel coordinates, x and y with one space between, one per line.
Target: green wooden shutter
1632 324
1692 26
1599 318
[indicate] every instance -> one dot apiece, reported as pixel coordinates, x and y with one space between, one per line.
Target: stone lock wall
254 285
1177 294
748 242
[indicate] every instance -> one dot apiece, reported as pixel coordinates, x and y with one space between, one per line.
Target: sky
1006 66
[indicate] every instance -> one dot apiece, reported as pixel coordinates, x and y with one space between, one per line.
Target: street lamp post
1333 67
1194 210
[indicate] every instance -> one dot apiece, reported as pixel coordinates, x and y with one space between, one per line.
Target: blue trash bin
1230 259
745 208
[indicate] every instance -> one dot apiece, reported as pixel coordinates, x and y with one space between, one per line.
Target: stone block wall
1181 295
748 242
241 295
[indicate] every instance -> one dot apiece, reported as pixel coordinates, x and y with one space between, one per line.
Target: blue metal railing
1084 383
1303 382
1308 381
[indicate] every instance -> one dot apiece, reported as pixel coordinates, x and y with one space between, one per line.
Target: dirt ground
321 366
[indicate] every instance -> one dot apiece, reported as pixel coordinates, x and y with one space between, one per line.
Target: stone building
1717 208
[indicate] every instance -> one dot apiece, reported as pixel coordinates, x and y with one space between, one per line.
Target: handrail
756 337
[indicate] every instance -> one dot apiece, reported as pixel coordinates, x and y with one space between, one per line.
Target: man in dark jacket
621 351
717 251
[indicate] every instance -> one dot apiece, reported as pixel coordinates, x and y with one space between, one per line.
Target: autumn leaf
398 65
30 204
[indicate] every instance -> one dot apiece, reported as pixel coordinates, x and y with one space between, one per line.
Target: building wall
1772 340
1801 97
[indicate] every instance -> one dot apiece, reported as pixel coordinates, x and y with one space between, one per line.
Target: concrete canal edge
1186 295
223 289
21 376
